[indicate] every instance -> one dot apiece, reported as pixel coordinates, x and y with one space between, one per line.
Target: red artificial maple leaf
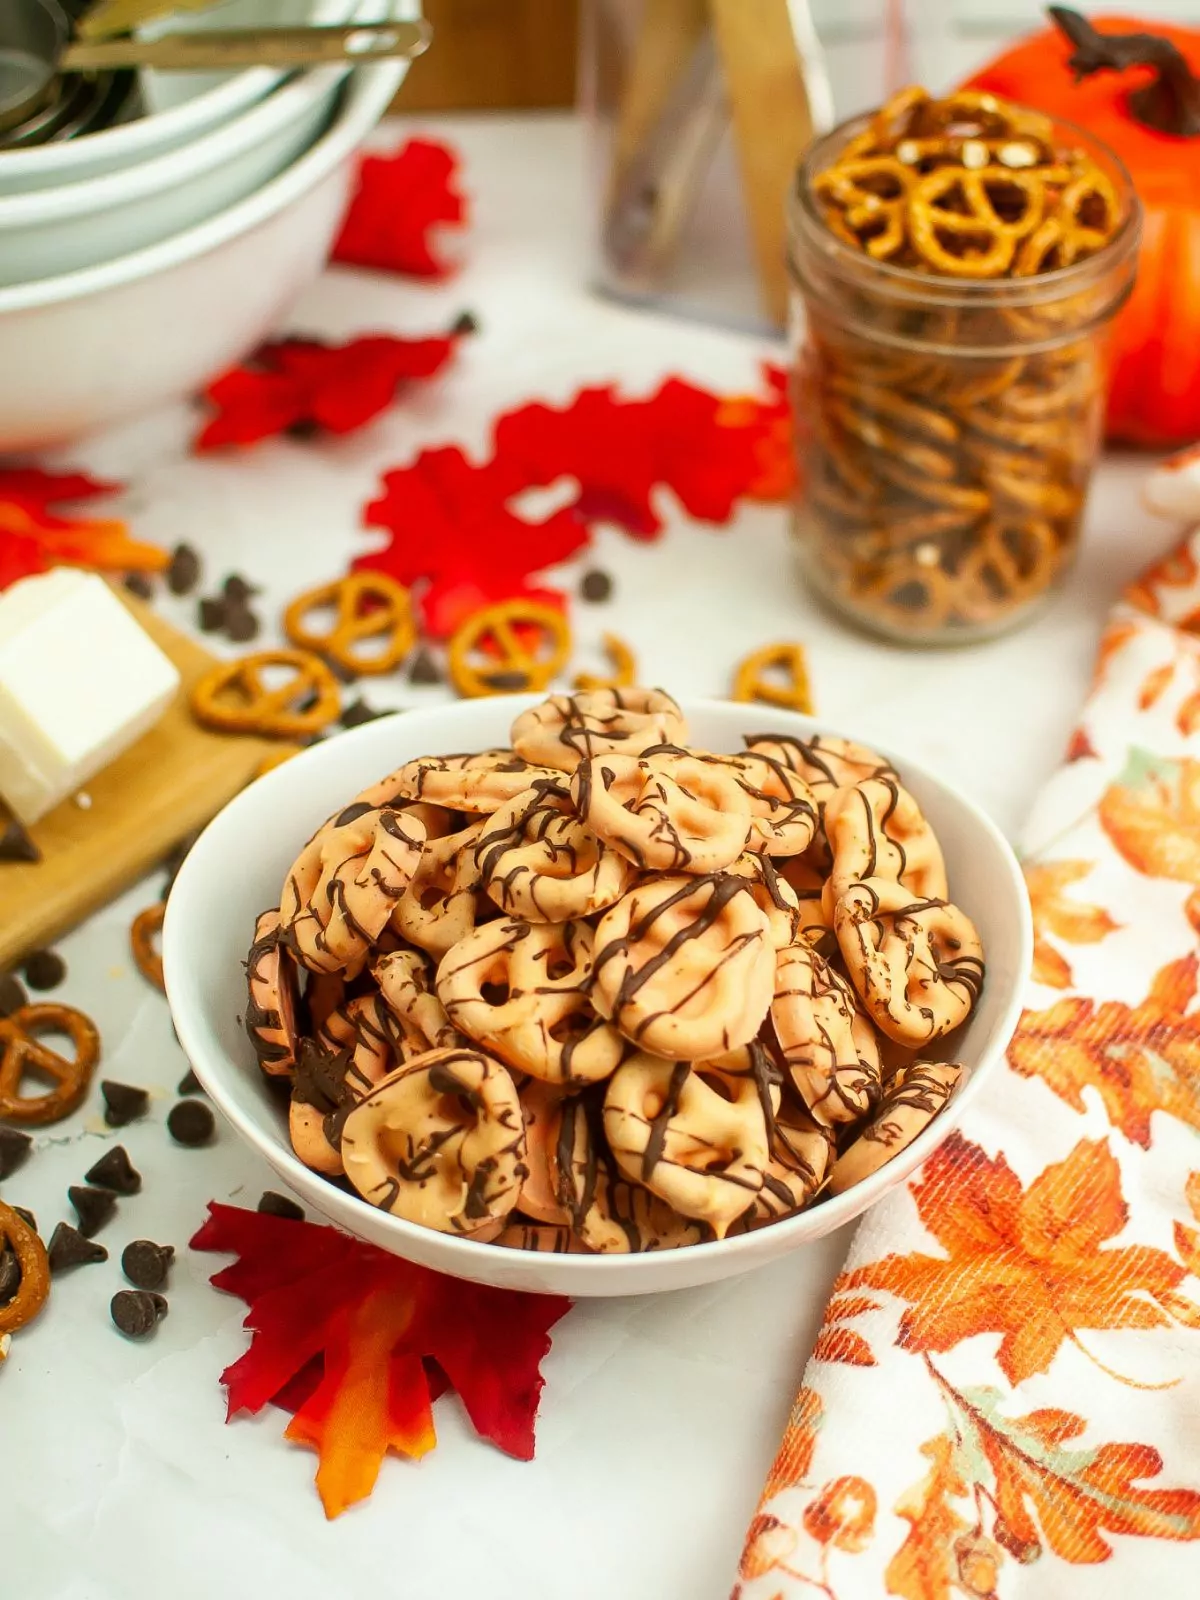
619 450
454 538
305 383
34 538
400 199
357 1344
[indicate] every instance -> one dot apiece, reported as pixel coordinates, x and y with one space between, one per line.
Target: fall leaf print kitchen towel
1003 1402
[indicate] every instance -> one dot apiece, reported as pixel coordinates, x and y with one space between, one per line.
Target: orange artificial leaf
1152 815
1139 1059
794 1461
350 1338
1155 685
1054 913
926 1566
844 1345
1048 1488
1032 1265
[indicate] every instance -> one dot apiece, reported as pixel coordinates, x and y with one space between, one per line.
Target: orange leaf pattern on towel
1152 815
927 1565
1054 912
1138 1059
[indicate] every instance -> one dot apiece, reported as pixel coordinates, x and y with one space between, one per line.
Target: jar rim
804 219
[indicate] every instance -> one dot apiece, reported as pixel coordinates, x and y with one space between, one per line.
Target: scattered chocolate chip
27 1217
136 1312
342 670
596 585
69 1249
45 969
210 614
308 702
358 712
14 1147
424 668
191 1123
93 1207
507 680
115 1171
16 845
241 625
12 994
183 574
10 1275
237 589
305 428
278 1205
189 1084
139 584
146 1264
123 1102
466 322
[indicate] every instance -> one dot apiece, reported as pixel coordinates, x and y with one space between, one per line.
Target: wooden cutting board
171 782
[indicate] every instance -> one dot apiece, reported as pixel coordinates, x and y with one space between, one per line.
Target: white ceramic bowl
185 105
88 349
238 865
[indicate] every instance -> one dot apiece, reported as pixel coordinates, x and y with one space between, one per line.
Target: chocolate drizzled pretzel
568 728
537 860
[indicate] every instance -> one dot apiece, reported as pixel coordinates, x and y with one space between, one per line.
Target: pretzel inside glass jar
958 260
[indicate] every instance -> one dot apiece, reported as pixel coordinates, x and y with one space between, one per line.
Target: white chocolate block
79 682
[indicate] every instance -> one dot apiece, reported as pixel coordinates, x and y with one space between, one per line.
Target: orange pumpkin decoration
1139 91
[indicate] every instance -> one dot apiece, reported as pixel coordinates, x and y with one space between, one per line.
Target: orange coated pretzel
234 697
517 663
367 606
22 1051
34 1286
956 207
752 679
143 941
624 665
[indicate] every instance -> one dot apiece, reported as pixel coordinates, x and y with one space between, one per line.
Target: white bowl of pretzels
621 996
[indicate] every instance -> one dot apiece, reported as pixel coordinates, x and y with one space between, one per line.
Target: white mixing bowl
88 349
238 866
185 105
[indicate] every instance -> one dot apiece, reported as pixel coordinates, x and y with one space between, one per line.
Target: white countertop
118 1478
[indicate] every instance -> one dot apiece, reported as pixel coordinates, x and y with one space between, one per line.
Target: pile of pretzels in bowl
599 991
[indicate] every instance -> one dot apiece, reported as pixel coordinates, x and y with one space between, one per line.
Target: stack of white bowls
138 262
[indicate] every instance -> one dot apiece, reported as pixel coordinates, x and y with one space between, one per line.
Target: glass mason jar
947 427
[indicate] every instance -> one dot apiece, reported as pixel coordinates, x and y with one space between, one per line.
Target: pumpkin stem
1169 103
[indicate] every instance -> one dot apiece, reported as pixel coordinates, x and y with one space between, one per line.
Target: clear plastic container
947 427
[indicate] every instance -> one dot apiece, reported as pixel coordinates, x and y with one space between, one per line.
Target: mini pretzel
956 224
624 668
877 830
685 967
234 697
537 860
783 809
825 762
406 984
438 905
1010 565
541 1236
569 728
478 783
539 1197
911 1101
322 1098
702 1149
752 680
22 1051
324 993
440 1142
364 1032
964 498
522 991
870 191
342 890
807 885
143 942
491 652
666 810
907 597
367 606
872 434
271 1000
33 1289
801 1151
773 896
608 1213
828 1045
917 964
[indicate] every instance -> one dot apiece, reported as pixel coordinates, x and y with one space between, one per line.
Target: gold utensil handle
260 47
106 17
